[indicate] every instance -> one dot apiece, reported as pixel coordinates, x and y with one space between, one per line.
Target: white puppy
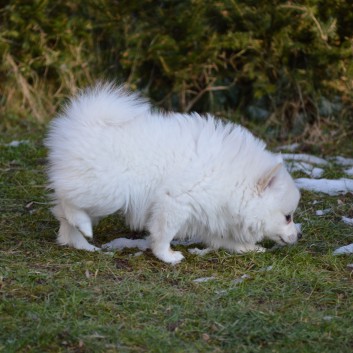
175 175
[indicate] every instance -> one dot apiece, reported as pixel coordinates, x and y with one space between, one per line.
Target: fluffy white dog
175 175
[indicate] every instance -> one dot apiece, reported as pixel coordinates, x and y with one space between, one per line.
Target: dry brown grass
38 96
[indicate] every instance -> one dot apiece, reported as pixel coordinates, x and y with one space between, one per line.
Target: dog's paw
82 244
259 248
88 247
245 248
170 257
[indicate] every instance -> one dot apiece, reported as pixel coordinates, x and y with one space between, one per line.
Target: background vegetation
284 63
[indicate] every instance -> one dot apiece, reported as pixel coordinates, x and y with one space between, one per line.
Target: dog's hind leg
74 226
76 217
69 235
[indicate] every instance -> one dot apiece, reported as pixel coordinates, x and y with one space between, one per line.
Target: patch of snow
346 162
122 243
204 279
322 212
139 253
327 186
348 249
347 220
241 279
304 167
16 143
316 173
349 171
223 291
200 252
266 269
291 147
308 158
143 244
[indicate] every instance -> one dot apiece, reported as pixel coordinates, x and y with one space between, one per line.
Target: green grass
56 299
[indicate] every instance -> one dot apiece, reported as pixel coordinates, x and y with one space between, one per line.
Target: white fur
174 175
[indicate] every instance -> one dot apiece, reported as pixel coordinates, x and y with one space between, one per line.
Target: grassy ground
55 299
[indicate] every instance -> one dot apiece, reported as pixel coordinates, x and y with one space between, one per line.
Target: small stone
205 337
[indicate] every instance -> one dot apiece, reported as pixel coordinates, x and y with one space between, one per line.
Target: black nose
300 235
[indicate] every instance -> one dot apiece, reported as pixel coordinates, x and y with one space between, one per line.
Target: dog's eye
288 218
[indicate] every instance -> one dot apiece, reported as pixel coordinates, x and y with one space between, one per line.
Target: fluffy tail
106 103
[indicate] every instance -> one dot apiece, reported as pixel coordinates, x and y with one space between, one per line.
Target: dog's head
278 198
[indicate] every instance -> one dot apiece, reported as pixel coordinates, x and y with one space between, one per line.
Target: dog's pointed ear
268 178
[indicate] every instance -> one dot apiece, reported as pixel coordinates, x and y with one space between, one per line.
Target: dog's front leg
165 222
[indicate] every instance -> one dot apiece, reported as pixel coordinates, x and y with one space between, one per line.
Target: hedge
282 61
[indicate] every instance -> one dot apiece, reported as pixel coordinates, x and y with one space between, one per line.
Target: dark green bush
274 61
